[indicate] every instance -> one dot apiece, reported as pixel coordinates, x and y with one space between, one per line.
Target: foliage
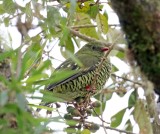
25 70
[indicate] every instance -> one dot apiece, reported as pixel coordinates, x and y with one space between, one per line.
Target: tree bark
140 20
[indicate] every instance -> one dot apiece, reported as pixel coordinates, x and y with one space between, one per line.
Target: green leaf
3 98
6 54
2 11
43 107
94 10
48 96
114 68
61 75
53 16
142 118
85 131
132 99
120 55
28 10
37 77
67 45
70 130
21 101
30 59
86 20
102 23
128 126
117 118
68 54
71 122
6 21
99 110
9 6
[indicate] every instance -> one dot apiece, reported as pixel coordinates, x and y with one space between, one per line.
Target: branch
88 39
111 128
83 26
150 98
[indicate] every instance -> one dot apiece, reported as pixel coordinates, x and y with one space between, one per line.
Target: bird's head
93 49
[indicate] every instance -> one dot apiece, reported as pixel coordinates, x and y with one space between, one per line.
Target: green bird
79 80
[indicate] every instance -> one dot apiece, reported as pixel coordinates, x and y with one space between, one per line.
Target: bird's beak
104 49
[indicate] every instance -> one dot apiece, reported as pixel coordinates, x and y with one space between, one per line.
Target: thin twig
98 115
111 128
83 26
135 82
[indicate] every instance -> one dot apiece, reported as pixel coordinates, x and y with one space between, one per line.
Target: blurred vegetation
25 68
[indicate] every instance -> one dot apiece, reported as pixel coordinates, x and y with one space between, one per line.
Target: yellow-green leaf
102 23
85 131
142 118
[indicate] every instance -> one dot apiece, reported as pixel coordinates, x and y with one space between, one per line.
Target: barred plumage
75 85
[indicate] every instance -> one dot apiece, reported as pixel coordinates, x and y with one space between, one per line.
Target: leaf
2 11
70 130
102 23
43 107
129 126
9 6
116 36
132 99
48 96
32 79
85 131
6 54
84 19
67 47
6 21
94 10
28 10
21 101
142 118
53 16
3 98
117 118
120 55
68 54
31 59
102 100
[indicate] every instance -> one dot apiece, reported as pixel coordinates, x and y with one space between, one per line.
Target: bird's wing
89 64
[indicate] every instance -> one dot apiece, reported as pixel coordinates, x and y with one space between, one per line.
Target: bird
80 77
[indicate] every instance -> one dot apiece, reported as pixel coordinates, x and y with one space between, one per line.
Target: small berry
94 127
96 104
68 117
70 109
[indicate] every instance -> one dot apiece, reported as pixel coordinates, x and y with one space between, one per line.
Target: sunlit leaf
102 23
85 131
84 19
